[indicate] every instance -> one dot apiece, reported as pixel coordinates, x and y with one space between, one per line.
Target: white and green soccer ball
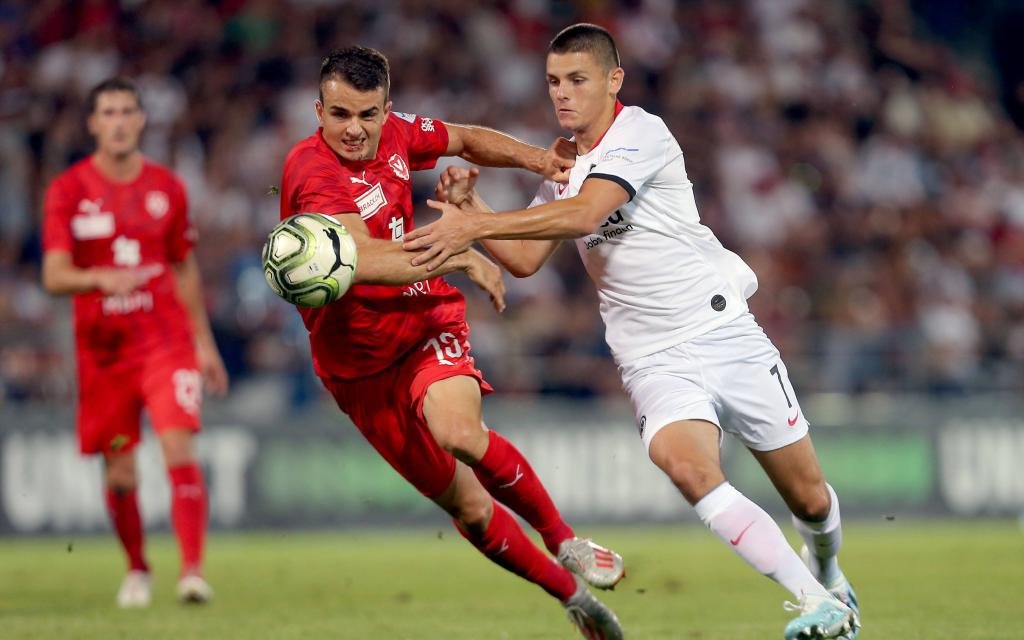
309 259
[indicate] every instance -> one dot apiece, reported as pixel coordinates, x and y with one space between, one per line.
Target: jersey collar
618 109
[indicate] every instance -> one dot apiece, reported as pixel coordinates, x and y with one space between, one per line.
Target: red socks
506 545
188 514
508 477
123 508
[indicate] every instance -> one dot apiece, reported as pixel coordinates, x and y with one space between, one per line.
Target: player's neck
118 168
590 137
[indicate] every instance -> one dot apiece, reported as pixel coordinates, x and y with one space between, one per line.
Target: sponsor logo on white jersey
371 202
398 166
92 222
157 204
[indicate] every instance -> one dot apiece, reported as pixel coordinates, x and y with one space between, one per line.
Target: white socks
823 540
752 533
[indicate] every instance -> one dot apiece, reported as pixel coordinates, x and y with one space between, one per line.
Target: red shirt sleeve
316 187
182 235
427 139
58 207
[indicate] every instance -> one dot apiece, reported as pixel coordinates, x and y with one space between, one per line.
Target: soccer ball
309 259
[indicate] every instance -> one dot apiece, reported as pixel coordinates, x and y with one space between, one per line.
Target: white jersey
663 278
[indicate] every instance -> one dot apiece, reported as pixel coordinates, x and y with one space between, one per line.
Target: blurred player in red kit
116 236
394 351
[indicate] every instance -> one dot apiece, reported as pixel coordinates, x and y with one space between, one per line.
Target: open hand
211 367
450 234
487 276
455 184
119 280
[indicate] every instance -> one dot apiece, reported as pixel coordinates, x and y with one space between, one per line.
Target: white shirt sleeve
633 155
546 193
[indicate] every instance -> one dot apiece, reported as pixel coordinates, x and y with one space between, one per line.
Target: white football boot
840 588
593 619
136 590
600 567
193 589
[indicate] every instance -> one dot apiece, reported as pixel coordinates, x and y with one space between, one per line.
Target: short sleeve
318 188
426 139
58 207
181 236
545 194
634 154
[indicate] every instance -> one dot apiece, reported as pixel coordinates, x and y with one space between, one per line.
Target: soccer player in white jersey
693 360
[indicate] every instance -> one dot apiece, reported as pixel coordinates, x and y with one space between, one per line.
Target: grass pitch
927 580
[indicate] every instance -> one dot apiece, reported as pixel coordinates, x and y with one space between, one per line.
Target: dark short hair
590 38
364 68
111 85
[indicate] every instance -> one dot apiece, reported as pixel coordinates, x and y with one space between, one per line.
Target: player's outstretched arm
521 258
386 262
62 277
211 366
491 148
565 219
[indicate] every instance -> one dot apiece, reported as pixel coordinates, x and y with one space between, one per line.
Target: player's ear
387 109
319 107
615 79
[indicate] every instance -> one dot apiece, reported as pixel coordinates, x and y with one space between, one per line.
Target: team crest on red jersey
398 165
157 204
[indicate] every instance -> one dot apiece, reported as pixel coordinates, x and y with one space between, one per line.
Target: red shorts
387 408
112 394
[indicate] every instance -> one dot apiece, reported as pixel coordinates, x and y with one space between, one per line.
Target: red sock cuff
188 473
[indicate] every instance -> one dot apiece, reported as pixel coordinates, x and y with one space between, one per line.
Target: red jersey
142 224
371 326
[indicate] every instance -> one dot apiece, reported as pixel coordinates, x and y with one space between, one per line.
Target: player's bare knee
465 439
473 513
177 448
693 478
811 505
119 473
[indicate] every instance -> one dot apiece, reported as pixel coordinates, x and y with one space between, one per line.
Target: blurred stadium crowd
867 173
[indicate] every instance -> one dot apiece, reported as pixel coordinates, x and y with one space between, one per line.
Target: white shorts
731 376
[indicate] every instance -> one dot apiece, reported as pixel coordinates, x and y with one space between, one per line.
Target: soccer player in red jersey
394 351
116 236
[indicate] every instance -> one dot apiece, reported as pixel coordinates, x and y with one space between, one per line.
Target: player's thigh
797 476
109 407
382 412
173 390
451 409
665 388
688 452
445 388
750 382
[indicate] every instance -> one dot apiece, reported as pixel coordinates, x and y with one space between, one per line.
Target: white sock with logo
824 539
755 536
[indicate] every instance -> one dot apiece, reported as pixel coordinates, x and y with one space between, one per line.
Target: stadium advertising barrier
920 459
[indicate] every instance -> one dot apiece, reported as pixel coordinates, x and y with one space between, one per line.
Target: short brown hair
109 85
590 38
